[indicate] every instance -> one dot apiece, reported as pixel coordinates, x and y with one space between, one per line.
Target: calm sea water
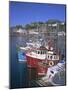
18 71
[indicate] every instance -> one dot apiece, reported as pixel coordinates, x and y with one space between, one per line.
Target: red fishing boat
41 58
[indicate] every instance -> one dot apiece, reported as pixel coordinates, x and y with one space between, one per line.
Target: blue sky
21 13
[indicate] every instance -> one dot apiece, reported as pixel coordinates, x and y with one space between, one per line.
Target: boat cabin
43 53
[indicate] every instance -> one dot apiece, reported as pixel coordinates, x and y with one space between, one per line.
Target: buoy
51 63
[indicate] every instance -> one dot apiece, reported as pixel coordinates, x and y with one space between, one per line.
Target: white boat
53 73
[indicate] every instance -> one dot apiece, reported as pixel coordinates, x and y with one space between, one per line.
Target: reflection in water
18 71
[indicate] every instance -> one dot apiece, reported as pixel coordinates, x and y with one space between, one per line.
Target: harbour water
19 71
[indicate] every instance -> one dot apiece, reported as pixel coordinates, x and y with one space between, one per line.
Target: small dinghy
21 56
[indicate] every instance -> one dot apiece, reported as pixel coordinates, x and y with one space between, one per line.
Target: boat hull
41 66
